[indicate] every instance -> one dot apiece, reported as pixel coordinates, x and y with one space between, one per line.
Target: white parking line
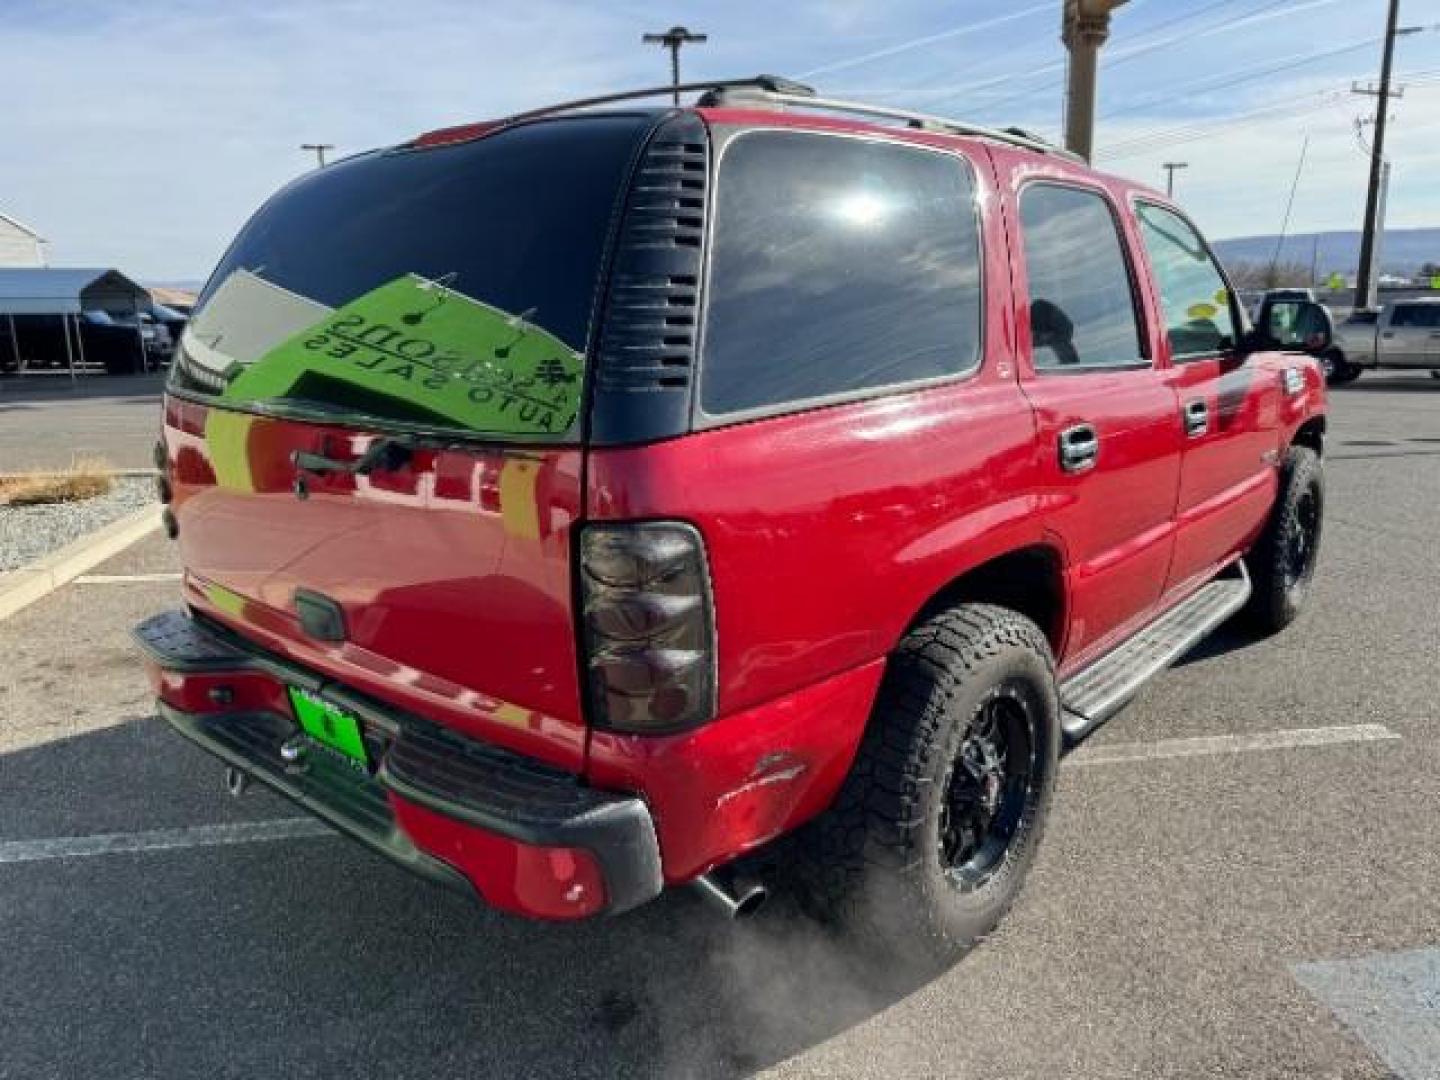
122 579
75 847
302 828
1231 744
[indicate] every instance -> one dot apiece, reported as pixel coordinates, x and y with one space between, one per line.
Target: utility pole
1365 278
319 149
1170 167
1085 24
673 39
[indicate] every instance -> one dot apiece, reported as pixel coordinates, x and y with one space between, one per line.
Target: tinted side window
1082 305
838 265
1193 295
1427 315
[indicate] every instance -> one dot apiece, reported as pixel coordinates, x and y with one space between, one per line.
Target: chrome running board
1095 693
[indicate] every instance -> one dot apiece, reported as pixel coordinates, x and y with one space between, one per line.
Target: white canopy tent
66 291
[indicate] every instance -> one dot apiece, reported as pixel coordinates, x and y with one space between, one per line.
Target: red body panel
414 557
731 785
524 879
1228 479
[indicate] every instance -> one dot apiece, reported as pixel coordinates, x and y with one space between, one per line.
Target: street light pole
673 39
1364 281
1085 24
319 151
1170 167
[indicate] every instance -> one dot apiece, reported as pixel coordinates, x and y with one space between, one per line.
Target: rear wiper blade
387 453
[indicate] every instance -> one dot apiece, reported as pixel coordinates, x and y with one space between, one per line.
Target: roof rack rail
925 122
776 90
770 84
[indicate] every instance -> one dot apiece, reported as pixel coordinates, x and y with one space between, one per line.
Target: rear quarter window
839 267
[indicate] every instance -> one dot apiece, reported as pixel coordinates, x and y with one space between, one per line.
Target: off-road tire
1338 370
1280 588
872 864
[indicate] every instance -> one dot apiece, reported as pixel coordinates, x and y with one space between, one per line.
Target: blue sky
141 134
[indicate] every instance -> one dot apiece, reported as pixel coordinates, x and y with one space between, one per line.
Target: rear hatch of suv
374 422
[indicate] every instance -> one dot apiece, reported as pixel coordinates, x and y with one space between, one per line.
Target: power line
1205 85
927 39
1165 137
1000 80
1120 54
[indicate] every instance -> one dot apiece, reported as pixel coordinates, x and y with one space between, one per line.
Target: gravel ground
30 532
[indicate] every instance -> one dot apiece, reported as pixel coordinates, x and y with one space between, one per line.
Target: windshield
449 288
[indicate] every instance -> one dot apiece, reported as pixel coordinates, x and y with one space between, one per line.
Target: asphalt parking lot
1216 895
50 421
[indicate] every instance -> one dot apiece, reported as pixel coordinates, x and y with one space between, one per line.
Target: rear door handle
1197 418
1079 448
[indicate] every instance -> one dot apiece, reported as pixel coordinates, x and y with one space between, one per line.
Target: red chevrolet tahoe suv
573 504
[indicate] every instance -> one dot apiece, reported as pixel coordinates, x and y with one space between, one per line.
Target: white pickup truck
1403 334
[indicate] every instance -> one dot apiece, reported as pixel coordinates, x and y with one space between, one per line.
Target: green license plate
328 725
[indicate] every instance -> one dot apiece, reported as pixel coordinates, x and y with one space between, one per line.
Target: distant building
181 300
20 245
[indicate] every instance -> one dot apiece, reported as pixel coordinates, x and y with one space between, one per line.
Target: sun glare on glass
862 209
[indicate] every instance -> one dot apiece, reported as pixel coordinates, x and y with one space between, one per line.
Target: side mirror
1296 325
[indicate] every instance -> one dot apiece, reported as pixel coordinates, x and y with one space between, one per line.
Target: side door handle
1197 418
1079 448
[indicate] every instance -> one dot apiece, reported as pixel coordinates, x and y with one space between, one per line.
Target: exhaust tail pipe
733 896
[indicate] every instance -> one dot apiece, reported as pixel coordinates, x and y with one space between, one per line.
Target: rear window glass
839 265
449 288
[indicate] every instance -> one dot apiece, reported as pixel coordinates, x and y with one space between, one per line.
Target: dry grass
83 480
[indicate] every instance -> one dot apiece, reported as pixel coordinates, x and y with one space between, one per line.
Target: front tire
930 838
1338 370
1282 563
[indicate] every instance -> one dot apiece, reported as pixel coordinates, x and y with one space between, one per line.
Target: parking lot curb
21 588
48 474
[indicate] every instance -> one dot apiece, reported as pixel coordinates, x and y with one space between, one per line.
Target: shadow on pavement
1231 636
313 957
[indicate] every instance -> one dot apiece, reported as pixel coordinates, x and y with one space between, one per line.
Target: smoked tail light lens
648 626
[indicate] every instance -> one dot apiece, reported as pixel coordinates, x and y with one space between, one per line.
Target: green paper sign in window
418 351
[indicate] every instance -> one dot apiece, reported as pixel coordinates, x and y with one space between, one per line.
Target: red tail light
649 627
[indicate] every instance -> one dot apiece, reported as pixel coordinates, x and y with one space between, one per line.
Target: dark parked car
113 341
173 321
